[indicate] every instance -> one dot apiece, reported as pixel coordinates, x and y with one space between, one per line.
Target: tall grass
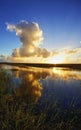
16 113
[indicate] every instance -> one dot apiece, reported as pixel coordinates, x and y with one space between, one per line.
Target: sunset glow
53 38
57 59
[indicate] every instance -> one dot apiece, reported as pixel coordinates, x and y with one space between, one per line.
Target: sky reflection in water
39 85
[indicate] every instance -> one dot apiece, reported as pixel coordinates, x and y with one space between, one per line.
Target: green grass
17 113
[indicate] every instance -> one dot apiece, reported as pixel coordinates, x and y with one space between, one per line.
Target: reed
18 114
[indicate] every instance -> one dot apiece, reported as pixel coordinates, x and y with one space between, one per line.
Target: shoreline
43 65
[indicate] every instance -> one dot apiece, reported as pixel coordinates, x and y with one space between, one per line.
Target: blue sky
60 21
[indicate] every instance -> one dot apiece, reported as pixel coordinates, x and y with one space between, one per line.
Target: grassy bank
17 113
74 66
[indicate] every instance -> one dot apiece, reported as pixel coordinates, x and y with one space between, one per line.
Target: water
42 85
40 98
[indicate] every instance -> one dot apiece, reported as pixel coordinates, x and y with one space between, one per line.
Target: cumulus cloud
31 37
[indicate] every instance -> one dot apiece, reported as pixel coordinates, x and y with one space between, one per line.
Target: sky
40 31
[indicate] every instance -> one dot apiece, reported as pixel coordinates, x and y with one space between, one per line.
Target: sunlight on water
38 83
67 73
64 73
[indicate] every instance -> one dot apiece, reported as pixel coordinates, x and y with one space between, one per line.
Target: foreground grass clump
17 113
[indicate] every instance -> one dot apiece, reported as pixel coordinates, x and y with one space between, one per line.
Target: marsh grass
18 114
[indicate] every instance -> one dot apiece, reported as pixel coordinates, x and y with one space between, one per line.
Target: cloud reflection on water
63 73
66 74
30 87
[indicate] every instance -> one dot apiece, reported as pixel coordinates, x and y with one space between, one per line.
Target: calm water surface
41 85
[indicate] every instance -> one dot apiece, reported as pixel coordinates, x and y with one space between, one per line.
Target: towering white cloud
30 36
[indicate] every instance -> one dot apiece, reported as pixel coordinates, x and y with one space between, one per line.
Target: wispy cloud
3 58
72 51
72 55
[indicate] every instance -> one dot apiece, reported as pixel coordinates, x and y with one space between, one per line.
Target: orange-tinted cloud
31 37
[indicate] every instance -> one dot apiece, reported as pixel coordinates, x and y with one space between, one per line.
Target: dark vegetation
44 65
17 113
